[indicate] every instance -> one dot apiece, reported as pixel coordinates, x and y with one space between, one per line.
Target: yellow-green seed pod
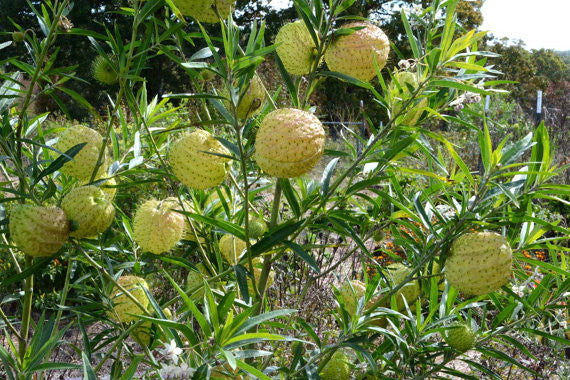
251 98
194 160
461 337
91 210
157 227
289 143
411 291
296 48
195 279
18 36
337 367
231 248
479 263
38 231
84 162
399 96
123 305
354 54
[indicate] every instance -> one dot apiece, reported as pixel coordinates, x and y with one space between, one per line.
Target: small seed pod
157 227
354 54
18 36
289 143
38 231
103 71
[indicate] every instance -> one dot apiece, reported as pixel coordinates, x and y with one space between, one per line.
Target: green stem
266 270
26 314
64 293
9 324
52 34
123 83
276 204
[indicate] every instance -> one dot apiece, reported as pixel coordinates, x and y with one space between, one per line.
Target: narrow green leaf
231 228
327 174
252 370
257 320
305 256
88 372
275 236
290 195
410 35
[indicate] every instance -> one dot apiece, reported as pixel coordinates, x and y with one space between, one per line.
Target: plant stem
276 204
262 284
64 293
52 34
26 314
9 324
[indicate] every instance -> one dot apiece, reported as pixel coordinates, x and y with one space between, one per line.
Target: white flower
471 97
404 64
519 290
171 351
183 371
417 10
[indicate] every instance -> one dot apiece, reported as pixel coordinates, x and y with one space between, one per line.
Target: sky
540 24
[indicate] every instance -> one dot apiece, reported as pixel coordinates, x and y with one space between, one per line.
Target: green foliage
240 319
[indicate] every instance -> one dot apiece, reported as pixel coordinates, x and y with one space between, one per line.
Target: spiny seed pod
479 263
337 367
461 337
351 292
123 305
257 227
251 98
398 96
144 333
203 11
38 231
90 208
18 36
289 143
231 248
296 48
103 71
84 162
108 185
410 291
354 54
157 227
378 235
194 161
257 269
195 279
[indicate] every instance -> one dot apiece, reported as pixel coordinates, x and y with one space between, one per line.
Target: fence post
538 107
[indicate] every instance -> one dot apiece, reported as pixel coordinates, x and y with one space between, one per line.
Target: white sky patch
280 4
540 24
